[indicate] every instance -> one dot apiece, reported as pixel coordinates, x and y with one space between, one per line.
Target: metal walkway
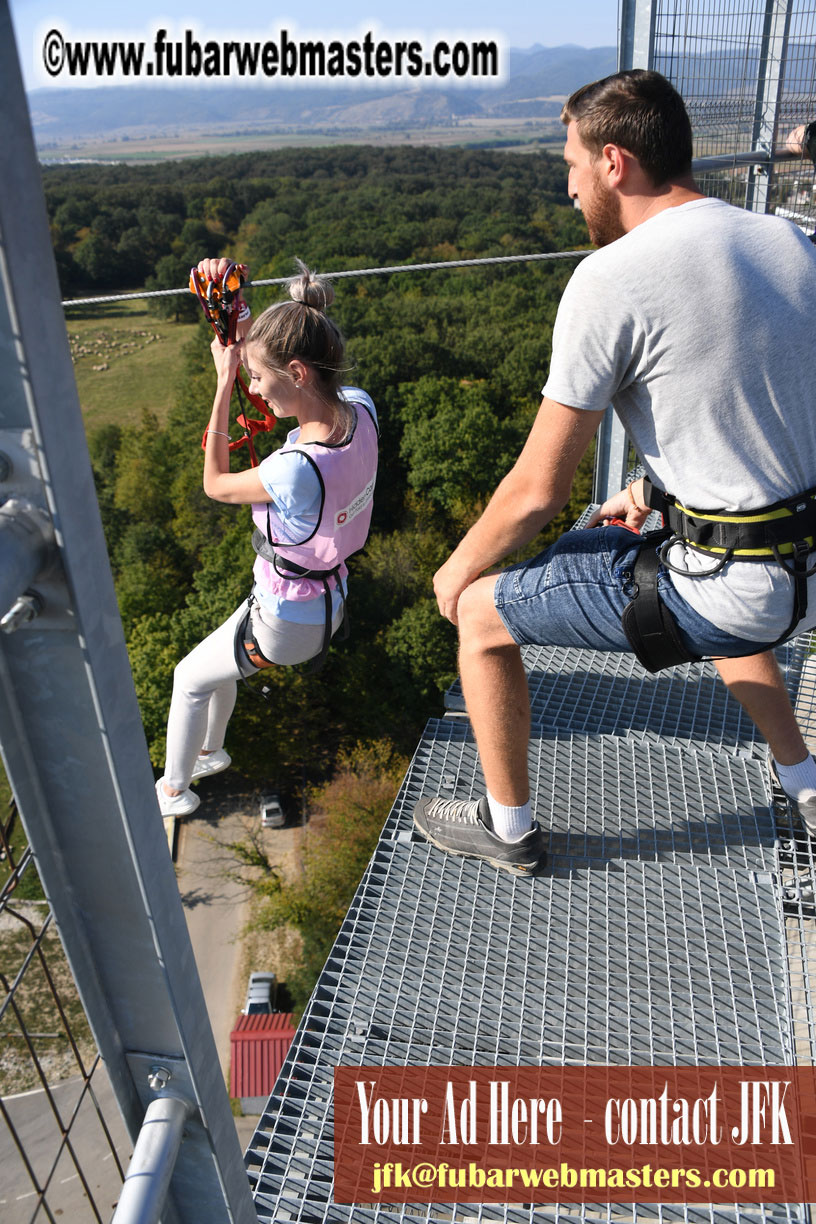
673 925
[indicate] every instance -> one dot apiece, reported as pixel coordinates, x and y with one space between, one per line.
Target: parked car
261 992
272 816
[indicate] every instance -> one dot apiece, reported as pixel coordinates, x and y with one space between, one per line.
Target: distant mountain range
537 80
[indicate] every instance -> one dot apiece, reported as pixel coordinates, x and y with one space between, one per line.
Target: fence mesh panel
62 1143
726 57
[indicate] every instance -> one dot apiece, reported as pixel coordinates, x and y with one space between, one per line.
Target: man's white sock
509 823
798 781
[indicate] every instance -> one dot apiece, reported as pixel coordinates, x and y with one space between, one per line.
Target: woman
311 503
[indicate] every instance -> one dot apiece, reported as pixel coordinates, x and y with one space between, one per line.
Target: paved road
215 908
38 1131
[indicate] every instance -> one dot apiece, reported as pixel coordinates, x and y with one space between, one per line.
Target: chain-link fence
62 1145
747 72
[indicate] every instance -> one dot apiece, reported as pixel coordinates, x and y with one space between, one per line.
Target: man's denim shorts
574 592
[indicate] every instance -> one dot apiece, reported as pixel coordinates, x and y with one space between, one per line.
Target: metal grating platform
604 797
288 1205
445 961
672 925
587 691
700 952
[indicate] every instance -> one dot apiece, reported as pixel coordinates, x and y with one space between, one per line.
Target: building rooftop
258 1046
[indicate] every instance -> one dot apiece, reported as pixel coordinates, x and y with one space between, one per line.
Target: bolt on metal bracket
28 555
159 1078
27 548
20 613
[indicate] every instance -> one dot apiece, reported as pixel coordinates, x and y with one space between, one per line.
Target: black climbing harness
784 532
286 568
245 646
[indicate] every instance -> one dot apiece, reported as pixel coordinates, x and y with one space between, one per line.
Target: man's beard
602 213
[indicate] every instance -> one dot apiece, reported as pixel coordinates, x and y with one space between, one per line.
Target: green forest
454 360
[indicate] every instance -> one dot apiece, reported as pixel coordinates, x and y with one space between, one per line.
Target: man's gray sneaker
463 826
806 809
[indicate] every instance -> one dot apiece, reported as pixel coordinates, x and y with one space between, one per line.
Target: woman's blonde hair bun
309 289
300 328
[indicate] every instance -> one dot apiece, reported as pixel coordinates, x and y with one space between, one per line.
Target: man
695 320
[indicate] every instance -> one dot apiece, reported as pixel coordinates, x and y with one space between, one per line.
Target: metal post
636 35
636 38
611 458
70 730
775 31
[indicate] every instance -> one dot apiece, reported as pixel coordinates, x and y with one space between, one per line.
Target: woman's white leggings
205 683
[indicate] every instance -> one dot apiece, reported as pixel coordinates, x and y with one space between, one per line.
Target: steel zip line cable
282 280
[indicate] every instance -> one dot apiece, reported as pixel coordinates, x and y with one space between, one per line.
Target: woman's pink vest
347 474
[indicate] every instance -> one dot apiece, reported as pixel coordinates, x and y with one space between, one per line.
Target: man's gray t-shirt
697 326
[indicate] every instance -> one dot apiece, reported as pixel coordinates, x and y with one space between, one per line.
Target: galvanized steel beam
776 28
70 730
635 50
636 34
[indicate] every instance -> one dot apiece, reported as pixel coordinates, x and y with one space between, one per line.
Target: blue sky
589 23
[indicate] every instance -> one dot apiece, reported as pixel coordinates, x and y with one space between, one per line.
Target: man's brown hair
640 111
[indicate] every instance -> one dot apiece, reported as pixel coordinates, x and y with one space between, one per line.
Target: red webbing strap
250 425
219 306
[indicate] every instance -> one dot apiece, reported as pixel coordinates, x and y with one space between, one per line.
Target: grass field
125 359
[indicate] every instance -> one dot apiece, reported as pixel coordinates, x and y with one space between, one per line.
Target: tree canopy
453 358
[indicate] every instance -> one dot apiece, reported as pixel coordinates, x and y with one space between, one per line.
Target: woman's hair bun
310 289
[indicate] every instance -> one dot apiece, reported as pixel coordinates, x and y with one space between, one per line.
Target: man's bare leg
757 684
498 827
495 688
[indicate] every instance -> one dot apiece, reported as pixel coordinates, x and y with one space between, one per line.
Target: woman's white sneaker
176 805
211 763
